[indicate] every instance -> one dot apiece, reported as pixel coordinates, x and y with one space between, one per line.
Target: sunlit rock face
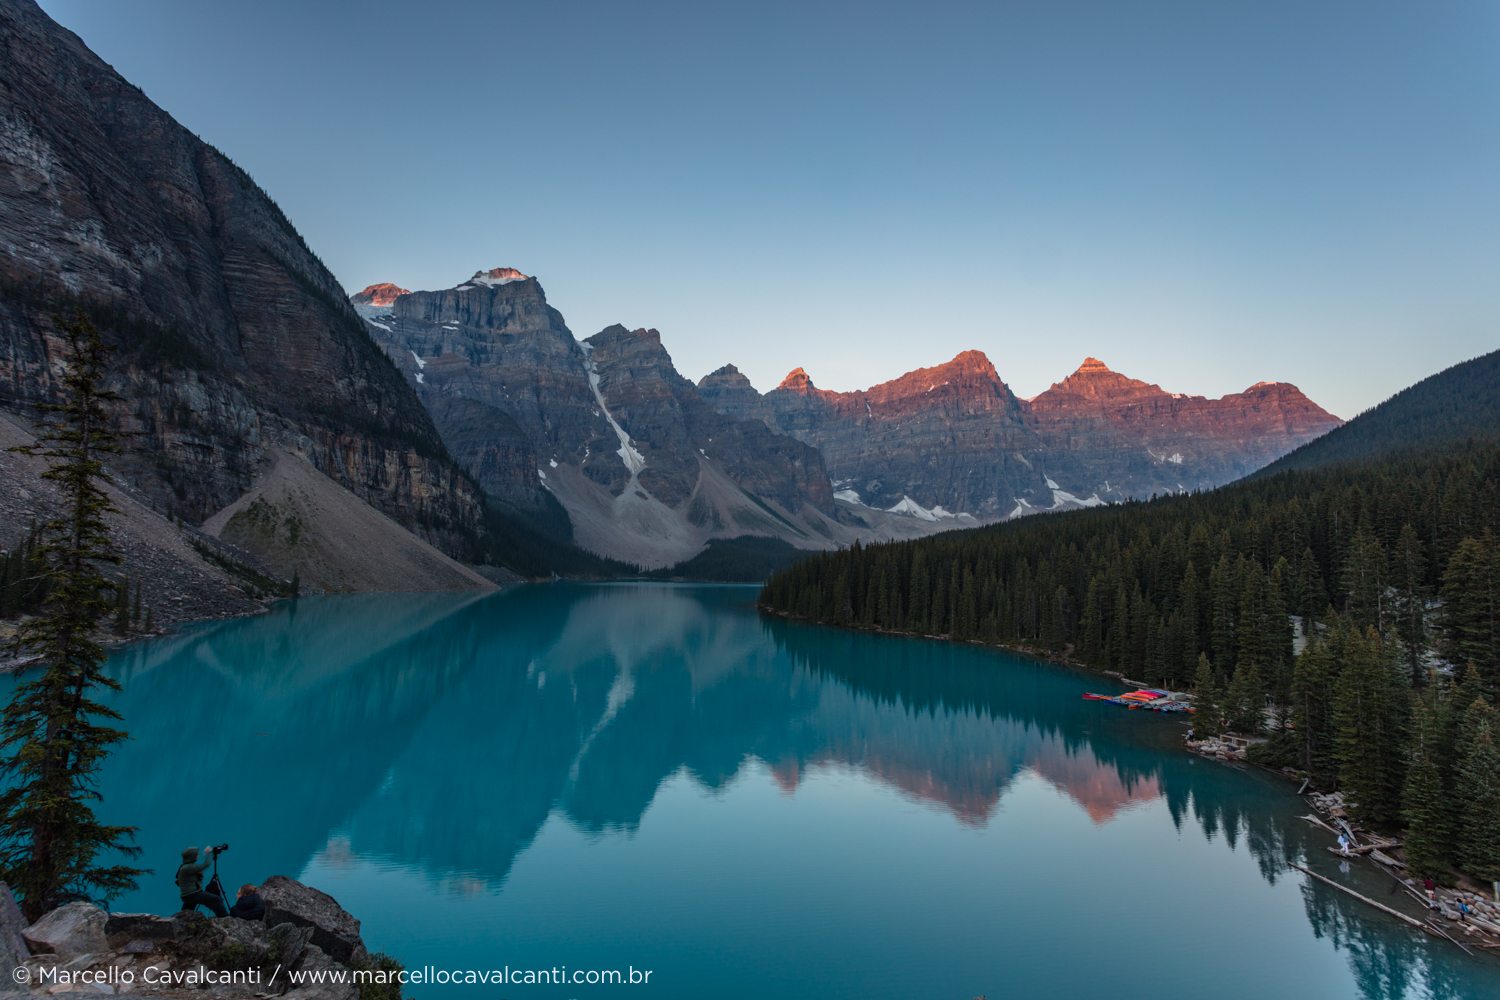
1138 438
380 296
954 439
950 436
230 339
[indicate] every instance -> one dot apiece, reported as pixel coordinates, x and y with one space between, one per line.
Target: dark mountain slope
232 341
1456 406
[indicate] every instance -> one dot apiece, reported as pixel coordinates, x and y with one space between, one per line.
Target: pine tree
1313 675
1429 839
1208 712
1370 703
1469 689
1245 703
1279 633
1409 573
1362 581
1091 641
1221 630
1312 596
55 734
1479 795
1471 607
1189 607
920 603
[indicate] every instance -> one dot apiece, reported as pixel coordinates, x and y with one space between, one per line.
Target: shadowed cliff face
647 470
678 430
230 336
955 437
500 346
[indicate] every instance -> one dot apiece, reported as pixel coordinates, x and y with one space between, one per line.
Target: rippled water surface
652 775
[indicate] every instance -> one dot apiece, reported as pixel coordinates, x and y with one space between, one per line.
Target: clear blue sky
1203 194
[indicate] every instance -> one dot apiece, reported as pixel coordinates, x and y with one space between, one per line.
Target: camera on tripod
218 849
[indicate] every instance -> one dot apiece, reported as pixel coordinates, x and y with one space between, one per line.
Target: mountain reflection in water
437 737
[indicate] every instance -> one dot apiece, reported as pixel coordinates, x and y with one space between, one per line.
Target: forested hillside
1392 566
1456 406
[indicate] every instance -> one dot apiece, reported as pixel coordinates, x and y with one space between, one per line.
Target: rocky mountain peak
797 380
1275 389
727 377
494 276
967 366
1289 398
621 338
382 294
969 374
727 390
1095 380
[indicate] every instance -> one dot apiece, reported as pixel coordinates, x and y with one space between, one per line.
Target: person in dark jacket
249 905
190 882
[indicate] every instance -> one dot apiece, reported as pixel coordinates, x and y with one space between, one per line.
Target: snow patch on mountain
911 508
633 459
1062 498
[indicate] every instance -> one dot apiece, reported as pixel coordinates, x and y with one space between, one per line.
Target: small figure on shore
248 904
190 882
1463 909
1344 844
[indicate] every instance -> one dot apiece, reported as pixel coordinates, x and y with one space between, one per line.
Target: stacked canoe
1148 698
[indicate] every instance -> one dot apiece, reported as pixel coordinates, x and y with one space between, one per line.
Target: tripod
215 887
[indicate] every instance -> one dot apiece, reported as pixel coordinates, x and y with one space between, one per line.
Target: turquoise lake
656 776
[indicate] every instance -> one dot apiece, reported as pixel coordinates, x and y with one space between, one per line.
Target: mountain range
383 440
650 467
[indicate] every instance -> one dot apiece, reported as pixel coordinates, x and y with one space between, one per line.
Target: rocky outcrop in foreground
79 950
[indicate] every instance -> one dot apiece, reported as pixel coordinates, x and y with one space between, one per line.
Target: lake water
655 776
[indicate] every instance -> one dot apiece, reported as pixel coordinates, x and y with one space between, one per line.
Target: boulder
334 929
289 943
121 929
225 944
81 937
69 931
313 961
13 948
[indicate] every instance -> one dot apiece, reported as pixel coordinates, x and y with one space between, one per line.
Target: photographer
249 905
190 881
